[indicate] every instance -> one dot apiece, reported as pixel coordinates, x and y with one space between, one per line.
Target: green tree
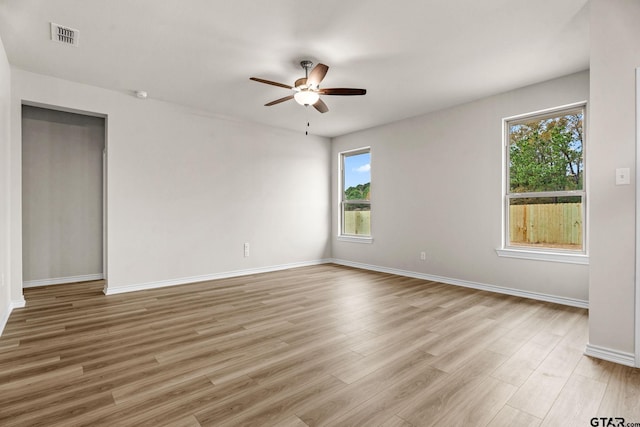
359 192
546 155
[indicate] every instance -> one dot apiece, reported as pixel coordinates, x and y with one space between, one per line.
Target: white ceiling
412 56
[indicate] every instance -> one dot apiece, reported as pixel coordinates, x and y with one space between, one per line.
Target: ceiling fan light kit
307 89
306 97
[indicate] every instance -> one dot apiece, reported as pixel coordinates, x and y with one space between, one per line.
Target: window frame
535 252
342 202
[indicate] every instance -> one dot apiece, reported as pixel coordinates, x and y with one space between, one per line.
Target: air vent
64 35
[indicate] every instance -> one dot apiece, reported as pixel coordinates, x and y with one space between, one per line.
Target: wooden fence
556 224
357 222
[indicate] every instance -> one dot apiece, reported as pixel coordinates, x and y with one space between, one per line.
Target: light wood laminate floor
322 345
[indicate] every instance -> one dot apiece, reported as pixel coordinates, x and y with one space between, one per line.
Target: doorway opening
63 221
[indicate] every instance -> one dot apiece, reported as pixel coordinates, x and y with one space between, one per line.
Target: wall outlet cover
623 176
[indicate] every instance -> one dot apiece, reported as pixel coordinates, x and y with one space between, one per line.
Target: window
355 200
545 197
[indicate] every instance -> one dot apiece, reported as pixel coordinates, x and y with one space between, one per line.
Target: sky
357 169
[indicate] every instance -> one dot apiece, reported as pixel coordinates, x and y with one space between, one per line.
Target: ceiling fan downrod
306 65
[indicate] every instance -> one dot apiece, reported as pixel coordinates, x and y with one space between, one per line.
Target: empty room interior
299 213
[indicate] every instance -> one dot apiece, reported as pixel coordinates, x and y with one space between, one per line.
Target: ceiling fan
307 89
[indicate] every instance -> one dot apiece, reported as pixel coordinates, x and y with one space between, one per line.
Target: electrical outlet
423 256
246 250
623 176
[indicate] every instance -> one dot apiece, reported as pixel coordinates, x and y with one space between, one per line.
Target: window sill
567 258
355 239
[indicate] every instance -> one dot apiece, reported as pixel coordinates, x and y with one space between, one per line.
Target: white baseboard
5 317
7 312
467 284
194 279
108 290
62 280
18 303
615 356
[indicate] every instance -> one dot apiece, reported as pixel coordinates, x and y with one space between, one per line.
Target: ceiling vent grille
64 35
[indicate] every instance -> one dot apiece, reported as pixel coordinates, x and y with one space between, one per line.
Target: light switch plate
623 176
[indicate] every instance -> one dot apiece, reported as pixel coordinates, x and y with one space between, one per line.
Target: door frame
104 175
637 272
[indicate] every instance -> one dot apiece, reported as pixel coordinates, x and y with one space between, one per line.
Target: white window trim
540 255
349 237
354 239
532 253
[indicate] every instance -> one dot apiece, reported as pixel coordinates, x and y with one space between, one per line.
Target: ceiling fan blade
317 74
343 91
278 101
321 106
269 82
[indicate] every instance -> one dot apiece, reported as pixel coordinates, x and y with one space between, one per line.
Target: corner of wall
5 138
613 143
4 317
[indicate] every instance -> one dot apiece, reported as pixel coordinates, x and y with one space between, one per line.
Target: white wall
615 53
437 187
173 211
61 196
186 189
5 95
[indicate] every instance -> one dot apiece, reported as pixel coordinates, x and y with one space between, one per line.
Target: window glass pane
357 176
550 222
546 154
356 219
